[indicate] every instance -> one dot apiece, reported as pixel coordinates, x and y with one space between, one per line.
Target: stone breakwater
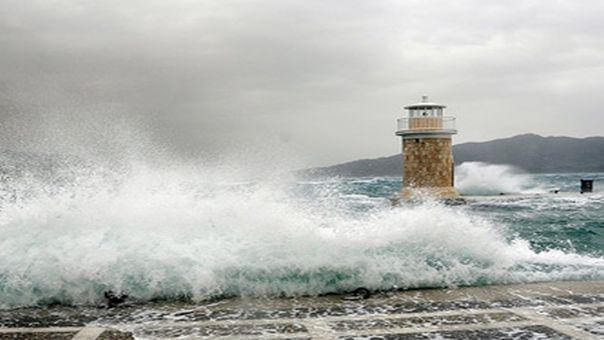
559 310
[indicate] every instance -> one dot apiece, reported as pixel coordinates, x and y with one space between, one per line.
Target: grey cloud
323 79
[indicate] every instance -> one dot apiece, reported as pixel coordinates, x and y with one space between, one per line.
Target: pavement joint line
551 308
574 305
88 333
581 319
380 316
318 328
39 329
555 324
439 328
415 315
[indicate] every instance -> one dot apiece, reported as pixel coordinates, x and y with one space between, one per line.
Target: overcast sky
324 80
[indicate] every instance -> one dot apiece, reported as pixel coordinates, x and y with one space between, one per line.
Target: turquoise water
173 233
566 221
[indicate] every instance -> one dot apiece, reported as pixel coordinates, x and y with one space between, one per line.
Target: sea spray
477 178
182 232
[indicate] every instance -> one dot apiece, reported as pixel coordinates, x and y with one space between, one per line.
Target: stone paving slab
426 320
555 310
38 336
526 332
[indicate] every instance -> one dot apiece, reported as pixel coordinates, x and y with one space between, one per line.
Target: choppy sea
71 234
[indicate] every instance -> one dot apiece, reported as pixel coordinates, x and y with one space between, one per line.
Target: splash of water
477 178
167 233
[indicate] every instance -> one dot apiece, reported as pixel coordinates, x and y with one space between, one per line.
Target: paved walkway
558 310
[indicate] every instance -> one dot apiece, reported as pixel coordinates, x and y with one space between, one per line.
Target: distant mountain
530 152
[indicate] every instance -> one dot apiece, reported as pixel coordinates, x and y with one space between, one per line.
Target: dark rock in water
455 201
359 294
113 299
587 185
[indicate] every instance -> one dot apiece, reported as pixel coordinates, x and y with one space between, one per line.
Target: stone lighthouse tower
428 168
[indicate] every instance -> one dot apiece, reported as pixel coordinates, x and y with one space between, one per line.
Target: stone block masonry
427 163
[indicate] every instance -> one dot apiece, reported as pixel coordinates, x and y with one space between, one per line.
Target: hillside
530 152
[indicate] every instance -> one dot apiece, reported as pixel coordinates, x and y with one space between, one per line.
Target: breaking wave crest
161 234
477 178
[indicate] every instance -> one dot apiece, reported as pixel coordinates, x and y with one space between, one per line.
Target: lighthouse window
425 113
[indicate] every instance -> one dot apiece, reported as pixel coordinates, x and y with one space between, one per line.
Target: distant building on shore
428 167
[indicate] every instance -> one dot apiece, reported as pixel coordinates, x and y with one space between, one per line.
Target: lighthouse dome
424 104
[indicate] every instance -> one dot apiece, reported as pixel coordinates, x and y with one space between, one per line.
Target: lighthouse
428 167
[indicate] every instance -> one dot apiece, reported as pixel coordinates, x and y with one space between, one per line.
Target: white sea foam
162 234
477 178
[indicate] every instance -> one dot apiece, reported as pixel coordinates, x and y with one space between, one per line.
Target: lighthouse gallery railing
426 123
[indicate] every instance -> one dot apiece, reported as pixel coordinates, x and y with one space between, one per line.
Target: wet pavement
554 310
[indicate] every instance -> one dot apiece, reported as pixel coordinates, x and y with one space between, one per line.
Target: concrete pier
553 310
